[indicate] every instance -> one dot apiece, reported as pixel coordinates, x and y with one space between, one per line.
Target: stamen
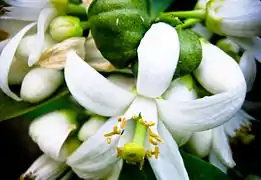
108 140
123 122
152 141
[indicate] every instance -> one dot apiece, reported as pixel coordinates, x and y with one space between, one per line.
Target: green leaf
196 168
200 170
158 6
10 108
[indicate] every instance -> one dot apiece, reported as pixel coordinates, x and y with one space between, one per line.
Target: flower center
134 152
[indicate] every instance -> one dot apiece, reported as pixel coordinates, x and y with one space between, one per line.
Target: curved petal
50 132
92 90
158 55
95 158
201 114
6 59
27 3
200 143
21 13
147 108
247 64
219 73
169 164
45 18
213 159
221 147
180 90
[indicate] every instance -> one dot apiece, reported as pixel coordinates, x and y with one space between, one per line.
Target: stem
85 25
140 133
76 9
199 14
188 23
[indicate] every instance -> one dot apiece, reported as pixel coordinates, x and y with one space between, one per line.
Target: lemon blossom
144 106
215 142
234 17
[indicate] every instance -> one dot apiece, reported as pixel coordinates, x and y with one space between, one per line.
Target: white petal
44 168
202 31
252 44
22 13
50 132
247 64
219 73
201 114
180 90
127 134
200 143
158 55
27 3
95 158
147 108
45 18
90 127
169 163
221 147
241 118
3 44
92 90
125 82
213 159
6 59
115 173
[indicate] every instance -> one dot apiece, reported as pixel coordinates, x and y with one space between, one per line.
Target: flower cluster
175 88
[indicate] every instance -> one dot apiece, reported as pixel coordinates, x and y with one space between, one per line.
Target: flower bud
18 70
64 27
40 83
90 127
27 45
200 143
51 132
234 17
44 168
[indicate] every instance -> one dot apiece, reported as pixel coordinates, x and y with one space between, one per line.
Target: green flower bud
64 27
40 83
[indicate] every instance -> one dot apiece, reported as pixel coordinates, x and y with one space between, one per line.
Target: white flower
215 142
234 17
202 31
51 131
45 168
158 54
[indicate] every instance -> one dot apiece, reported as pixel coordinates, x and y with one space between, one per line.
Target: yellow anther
152 141
119 151
116 130
119 119
123 123
108 140
148 124
149 154
156 152
109 134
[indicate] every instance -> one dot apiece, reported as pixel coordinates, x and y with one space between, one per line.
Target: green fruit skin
117 27
190 54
